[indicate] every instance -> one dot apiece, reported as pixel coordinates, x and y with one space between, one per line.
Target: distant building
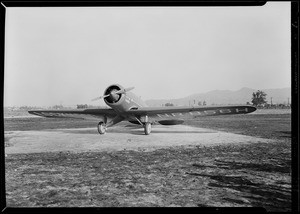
80 106
169 104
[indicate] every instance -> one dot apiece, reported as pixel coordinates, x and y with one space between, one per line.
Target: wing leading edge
83 113
194 111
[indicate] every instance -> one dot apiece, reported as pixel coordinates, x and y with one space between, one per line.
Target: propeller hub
113 96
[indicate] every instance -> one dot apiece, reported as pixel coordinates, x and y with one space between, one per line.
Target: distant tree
57 107
169 104
204 103
248 103
259 98
199 103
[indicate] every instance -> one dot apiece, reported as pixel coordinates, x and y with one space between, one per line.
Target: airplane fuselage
124 102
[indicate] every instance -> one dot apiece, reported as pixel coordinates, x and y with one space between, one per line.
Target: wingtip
32 112
252 108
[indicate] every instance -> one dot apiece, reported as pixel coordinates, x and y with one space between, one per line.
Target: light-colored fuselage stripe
242 110
225 111
209 112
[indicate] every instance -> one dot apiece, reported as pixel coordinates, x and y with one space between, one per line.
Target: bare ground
234 175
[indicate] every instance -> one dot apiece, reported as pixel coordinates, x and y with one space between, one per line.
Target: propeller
124 90
101 97
113 92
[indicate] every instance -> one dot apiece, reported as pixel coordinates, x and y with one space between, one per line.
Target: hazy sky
70 55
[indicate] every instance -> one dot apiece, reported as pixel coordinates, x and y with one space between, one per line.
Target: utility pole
271 101
288 101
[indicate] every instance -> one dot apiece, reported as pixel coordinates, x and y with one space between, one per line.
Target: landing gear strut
147 128
146 125
101 127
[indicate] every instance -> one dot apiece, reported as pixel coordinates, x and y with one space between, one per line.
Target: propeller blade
128 89
122 91
104 96
101 97
97 98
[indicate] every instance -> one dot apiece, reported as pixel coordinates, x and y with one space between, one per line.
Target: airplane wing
78 113
155 113
165 112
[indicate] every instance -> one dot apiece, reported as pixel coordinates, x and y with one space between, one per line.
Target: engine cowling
111 97
120 98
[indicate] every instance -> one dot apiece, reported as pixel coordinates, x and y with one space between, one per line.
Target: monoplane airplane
125 105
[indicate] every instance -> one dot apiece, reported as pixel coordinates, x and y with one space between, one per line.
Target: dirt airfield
205 163
122 137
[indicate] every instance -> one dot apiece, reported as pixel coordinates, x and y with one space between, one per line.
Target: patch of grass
41 123
272 126
252 173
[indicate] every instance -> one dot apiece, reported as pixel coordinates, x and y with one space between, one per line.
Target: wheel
147 128
101 128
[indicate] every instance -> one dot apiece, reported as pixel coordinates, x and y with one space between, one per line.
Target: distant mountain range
227 97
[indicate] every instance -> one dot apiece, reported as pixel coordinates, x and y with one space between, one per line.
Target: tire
147 128
101 128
